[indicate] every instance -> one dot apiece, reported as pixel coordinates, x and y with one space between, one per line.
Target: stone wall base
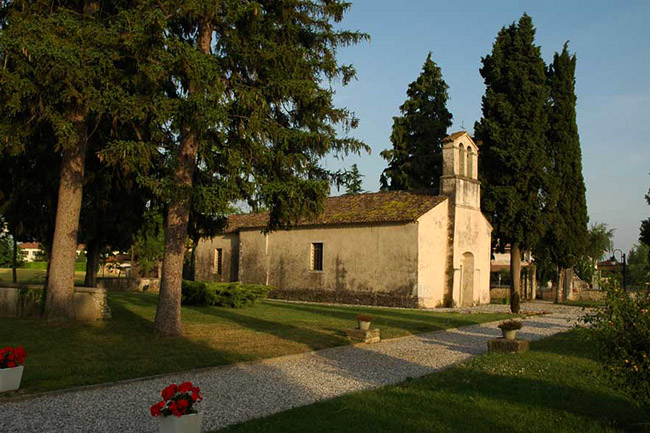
347 297
130 284
361 336
89 304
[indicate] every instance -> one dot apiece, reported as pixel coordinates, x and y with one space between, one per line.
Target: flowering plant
10 357
364 318
178 400
511 325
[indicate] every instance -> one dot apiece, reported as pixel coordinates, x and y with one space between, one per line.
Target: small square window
218 260
317 256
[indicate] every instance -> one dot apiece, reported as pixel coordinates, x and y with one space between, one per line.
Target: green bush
622 330
232 295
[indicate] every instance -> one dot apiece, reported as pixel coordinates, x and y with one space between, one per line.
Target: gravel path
239 392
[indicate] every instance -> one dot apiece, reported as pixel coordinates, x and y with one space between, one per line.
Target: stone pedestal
361 336
501 345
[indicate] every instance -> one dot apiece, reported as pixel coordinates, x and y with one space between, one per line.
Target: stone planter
509 334
181 424
364 326
10 378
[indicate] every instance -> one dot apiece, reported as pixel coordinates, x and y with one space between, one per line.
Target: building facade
397 248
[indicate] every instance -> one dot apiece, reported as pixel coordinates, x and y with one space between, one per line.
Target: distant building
393 248
33 249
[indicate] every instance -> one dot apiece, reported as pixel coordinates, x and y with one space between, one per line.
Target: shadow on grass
411 321
76 354
309 337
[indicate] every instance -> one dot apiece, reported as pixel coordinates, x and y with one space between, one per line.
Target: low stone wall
587 295
499 293
130 284
347 297
89 304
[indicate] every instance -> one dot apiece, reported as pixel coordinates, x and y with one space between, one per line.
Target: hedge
232 295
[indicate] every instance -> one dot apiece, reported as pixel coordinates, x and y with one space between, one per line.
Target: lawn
556 387
72 354
35 275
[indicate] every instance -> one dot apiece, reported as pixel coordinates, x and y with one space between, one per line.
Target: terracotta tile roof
454 136
29 246
379 207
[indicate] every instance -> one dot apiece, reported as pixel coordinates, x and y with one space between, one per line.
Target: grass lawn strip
556 387
69 355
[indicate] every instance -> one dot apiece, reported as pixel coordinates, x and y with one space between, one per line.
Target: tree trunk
168 313
515 277
14 261
60 287
559 283
92 263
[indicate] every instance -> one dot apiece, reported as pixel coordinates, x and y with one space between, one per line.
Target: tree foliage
354 182
415 161
513 135
565 204
600 239
644 235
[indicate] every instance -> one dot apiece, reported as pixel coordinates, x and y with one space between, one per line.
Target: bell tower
459 180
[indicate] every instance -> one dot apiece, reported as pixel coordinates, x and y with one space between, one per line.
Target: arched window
470 162
461 169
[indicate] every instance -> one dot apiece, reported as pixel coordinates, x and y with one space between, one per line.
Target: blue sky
612 44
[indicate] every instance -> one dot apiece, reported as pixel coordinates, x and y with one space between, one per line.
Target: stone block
501 345
361 336
9 301
91 304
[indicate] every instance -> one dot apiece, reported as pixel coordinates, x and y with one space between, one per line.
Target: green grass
556 387
72 354
584 304
34 273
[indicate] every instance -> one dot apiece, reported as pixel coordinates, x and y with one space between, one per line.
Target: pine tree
242 83
565 202
63 69
415 161
513 136
354 183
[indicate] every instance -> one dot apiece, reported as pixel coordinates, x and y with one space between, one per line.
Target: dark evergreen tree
354 182
63 68
415 161
513 136
564 192
243 101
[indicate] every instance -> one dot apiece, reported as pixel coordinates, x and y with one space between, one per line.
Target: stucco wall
472 235
205 258
371 261
432 255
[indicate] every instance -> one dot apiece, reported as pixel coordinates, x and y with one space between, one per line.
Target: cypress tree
512 131
415 161
564 193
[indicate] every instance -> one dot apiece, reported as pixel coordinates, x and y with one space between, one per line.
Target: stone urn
509 329
509 334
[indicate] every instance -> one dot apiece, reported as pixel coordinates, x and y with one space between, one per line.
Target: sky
611 40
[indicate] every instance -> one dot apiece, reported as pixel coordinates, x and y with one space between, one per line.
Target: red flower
169 392
185 387
156 408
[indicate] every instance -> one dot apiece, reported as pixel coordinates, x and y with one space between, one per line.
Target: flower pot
181 424
10 378
509 334
364 326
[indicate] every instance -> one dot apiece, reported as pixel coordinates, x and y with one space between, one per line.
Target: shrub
621 328
232 295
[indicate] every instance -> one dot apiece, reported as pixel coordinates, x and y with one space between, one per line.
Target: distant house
33 249
395 248
500 279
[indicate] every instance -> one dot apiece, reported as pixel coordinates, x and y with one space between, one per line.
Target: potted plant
11 367
177 410
364 321
509 328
